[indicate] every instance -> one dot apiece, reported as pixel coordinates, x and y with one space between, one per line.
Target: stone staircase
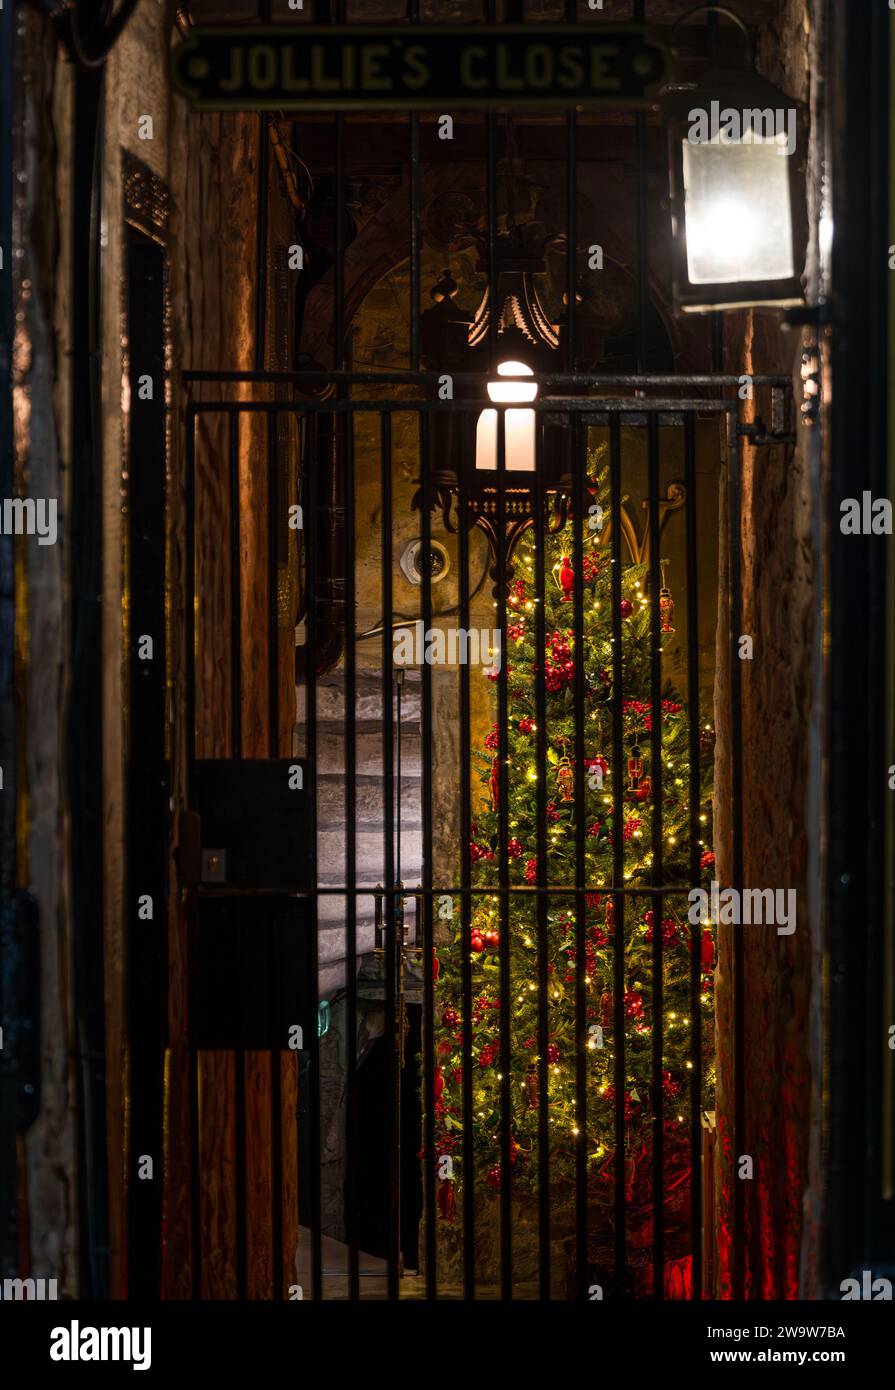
332 830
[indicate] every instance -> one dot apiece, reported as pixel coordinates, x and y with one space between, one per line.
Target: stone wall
780 733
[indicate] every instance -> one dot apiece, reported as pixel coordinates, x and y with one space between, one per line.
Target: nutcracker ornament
635 768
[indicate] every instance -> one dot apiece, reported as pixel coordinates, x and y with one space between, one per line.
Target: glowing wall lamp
737 150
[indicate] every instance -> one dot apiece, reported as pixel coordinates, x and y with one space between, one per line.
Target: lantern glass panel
519 425
737 212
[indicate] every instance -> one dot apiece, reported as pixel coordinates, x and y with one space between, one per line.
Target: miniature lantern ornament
736 159
565 779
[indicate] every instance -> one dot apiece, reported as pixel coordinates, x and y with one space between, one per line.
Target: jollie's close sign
418 69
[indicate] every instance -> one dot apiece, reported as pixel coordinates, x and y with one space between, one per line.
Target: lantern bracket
715 10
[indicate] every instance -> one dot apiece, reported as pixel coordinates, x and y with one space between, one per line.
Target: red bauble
436 966
450 1018
633 1004
626 608
514 848
531 870
438 1084
707 951
526 724
477 941
495 1176
492 940
552 1054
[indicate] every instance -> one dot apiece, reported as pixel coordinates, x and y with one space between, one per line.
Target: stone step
331 943
370 800
369 850
368 754
368 704
331 908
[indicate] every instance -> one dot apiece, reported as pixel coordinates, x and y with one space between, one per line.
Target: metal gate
264 844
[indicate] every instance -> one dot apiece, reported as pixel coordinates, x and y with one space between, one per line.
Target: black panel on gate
251 814
254 983
254 979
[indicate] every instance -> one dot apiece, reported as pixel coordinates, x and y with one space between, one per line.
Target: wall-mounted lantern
737 152
507 377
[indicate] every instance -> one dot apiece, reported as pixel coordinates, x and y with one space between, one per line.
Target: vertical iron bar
542 901
658 998
491 121
190 614
571 228
235 593
276 1130
618 859
467 427
579 511
339 264
195 1115
239 1080
190 625
261 245
506 1236
695 794
392 953
428 934
415 237
736 718
311 766
273 636
273 738
506 1233
415 242
352 1116
642 222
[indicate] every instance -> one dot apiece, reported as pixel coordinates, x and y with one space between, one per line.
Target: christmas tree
601 780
